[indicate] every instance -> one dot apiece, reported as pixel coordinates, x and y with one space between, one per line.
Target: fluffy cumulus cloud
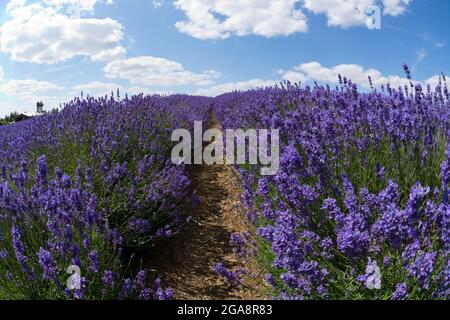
314 71
97 88
21 95
434 81
101 89
43 32
395 7
350 13
343 13
76 5
220 19
13 4
158 3
147 71
22 88
233 86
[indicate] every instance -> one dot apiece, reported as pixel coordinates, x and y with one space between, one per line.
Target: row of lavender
360 206
79 186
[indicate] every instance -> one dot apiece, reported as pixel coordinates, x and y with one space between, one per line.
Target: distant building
28 115
40 107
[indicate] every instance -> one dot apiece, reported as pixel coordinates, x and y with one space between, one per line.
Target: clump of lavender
355 180
234 278
242 244
78 185
401 291
48 264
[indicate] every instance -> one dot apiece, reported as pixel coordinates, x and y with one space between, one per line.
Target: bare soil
185 262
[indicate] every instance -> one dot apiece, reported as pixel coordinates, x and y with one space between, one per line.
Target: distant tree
9 119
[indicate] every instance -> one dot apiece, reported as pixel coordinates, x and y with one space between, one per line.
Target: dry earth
185 262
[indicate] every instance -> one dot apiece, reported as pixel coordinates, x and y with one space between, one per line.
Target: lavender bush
360 206
80 185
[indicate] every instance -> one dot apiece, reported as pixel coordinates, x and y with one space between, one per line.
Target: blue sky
51 50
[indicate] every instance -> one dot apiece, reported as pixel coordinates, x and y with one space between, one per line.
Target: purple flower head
41 171
94 263
145 294
407 71
140 279
401 291
47 264
231 277
108 278
3 254
127 289
162 294
240 244
139 226
422 268
19 250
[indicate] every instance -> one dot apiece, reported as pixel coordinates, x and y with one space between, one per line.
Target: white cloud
350 13
40 33
233 86
440 44
434 81
395 7
421 54
76 5
138 89
314 71
158 3
97 88
28 87
219 19
146 70
100 89
22 95
343 13
13 4
294 76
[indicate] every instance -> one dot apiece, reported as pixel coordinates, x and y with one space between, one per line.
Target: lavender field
224 158
359 208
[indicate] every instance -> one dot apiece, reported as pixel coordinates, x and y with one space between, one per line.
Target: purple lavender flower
401 291
422 268
19 250
108 278
139 226
162 294
145 294
240 243
94 265
42 171
140 279
231 277
127 289
47 264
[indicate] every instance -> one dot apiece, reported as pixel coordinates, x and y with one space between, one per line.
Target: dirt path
186 261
